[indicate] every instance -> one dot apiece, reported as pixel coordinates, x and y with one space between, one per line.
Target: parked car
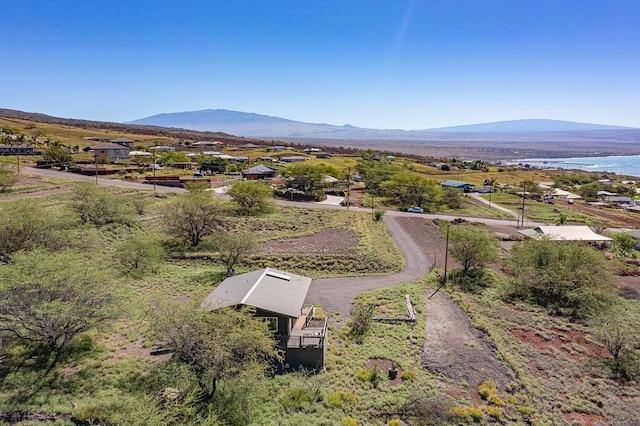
415 210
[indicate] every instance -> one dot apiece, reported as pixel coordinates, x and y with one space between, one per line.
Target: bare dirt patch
123 349
586 419
329 241
457 350
385 365
563 341
628 287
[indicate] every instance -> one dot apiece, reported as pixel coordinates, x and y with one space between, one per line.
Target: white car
415 210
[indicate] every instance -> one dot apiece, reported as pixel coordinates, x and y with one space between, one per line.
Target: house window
271 323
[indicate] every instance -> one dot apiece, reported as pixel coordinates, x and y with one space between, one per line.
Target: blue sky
369 63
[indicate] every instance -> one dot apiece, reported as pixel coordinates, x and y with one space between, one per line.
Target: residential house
97 138
461 186
278 299
293 159
23 149
259 172
564 233
185 165
620 201
124 142
216 144
162 148
110 152
248 146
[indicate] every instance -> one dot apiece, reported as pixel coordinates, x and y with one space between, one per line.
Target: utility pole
446 261
348 186
95 162
372 204
154 170
524 197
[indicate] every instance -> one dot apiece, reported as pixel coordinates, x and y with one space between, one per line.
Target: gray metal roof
565 233
260 169
268 289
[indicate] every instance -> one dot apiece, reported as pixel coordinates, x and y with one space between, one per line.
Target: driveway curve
337 294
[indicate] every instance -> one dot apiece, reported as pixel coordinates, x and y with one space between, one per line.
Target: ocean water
619 164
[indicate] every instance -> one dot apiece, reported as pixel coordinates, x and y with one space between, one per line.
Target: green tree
172 157
306 177
216 346
452 198
50 298
252 197
26 226
99 206
566 277
589 191
617 329
233 247
57 155
373 173
361 319
191 217
624 245
412 190
214 165
139 253
472 246
8 177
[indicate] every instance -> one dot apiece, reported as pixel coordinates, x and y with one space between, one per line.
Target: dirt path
455 349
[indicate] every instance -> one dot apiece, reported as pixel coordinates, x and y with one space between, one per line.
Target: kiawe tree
215 346
412 190
193 216
566 277
251 197
50 298
472 246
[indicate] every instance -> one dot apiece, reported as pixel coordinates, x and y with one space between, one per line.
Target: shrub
341 399
461 412
377 215
348 421
494 412
495 400
295 399
361 317
487 388
395 422
408 375
525 410
364 375
476 413
566 278
377 377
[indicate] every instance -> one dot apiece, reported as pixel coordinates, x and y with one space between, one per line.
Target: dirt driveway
421 243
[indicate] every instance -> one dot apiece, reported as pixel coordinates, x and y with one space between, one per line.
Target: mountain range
264 126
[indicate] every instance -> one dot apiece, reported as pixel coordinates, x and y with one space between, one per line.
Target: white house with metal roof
278 299
564 233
